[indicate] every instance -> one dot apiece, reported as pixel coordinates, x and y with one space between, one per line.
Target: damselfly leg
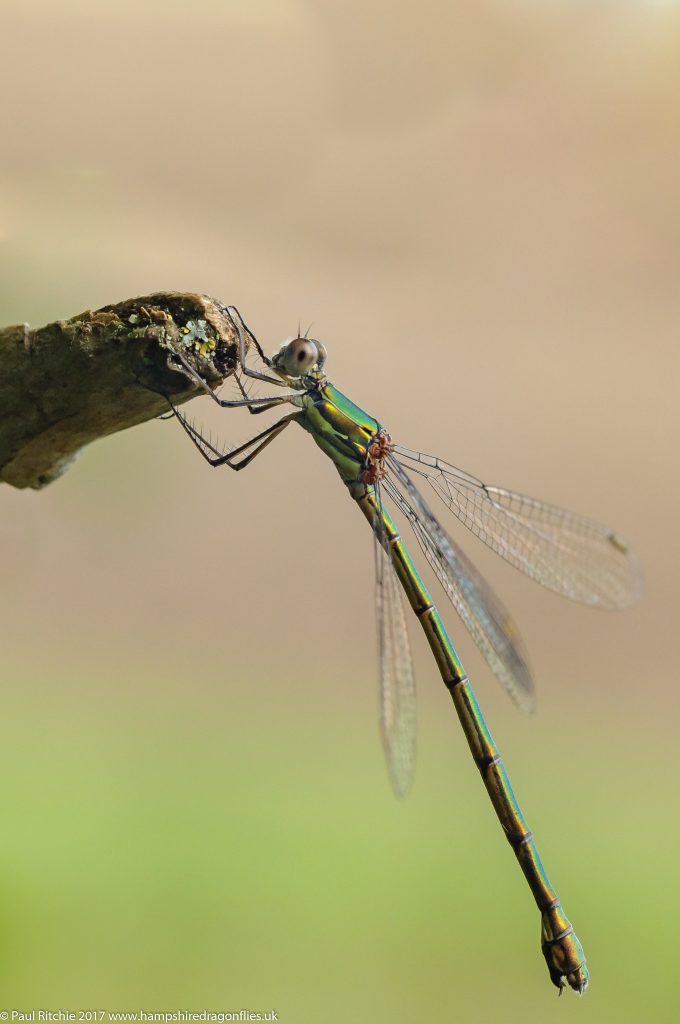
236 403
217 458
242 328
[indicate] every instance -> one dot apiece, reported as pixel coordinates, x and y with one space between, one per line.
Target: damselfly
567 553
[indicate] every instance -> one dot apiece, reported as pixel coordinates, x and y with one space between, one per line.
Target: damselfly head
299 356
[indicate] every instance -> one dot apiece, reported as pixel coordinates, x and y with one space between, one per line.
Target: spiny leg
269 436
257 409
241 327
269 402
266 404
204 446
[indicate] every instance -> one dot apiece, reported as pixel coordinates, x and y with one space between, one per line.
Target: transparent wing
397 682
487 621
567 553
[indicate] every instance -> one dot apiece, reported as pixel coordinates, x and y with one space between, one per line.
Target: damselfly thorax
355 441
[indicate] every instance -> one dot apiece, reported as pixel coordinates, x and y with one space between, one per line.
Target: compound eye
299 356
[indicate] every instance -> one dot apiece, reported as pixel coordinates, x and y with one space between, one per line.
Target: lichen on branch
73 381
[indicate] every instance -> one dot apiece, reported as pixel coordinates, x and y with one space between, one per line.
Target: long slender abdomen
561 948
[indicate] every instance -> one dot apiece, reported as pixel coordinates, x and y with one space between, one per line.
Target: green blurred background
477 205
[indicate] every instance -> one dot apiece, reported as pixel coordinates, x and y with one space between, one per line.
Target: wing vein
482 613
568 553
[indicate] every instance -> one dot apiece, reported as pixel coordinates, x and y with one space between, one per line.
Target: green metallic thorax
340 428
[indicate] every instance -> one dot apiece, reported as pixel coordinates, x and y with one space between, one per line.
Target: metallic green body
340 428
343 432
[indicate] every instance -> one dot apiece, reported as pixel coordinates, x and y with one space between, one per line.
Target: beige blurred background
477 207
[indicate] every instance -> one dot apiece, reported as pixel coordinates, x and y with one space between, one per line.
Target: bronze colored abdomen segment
561 948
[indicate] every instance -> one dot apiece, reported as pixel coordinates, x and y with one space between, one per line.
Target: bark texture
66 384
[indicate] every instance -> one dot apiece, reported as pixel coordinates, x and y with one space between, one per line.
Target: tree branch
66 384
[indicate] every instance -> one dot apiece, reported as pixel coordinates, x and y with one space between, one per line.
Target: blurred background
477 208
